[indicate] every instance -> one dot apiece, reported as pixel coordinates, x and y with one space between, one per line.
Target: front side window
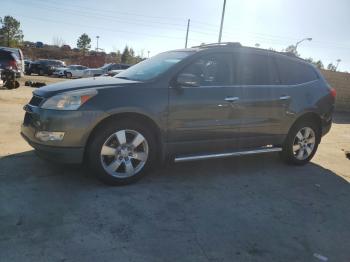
255 69
153 67
211 70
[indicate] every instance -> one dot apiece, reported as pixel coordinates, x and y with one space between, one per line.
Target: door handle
231 99
284 97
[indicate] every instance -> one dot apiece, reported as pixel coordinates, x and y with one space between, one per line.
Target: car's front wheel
68 75
301 143
122 153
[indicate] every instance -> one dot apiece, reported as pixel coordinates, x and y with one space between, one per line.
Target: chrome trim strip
284 97
240 153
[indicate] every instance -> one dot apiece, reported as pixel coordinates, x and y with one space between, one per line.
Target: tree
292 49
319 64
10 31
84 43
331 67
126 56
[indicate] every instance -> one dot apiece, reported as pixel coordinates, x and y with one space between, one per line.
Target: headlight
69 100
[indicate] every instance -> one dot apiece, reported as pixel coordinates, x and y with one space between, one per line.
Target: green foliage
128 56
84 43
10 33
331 67
292 49
318 63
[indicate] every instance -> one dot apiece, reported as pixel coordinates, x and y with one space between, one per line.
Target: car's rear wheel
121 154
68 75
301 143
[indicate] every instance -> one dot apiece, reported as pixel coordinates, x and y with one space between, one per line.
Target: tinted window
255 69
294 72
211 70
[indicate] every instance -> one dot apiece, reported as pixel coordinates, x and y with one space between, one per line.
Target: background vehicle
20 58
72 71
44 67
26 65
104 69
114 72
9 60
210 101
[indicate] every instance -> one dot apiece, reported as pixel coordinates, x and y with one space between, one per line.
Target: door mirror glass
186 79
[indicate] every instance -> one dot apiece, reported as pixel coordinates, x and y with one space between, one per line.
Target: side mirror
187 80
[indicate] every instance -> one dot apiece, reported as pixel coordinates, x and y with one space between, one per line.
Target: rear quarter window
294 72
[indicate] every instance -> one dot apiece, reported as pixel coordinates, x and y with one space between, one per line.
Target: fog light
49 136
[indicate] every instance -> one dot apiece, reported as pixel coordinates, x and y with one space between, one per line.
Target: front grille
36 100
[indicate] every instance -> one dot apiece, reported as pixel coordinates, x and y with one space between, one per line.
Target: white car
71 71
92 72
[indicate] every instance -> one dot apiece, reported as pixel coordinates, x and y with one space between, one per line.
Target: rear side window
293 72
255 69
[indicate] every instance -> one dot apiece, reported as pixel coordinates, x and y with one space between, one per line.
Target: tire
299 147
111 167
68 75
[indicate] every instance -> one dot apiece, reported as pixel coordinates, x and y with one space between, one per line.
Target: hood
70 85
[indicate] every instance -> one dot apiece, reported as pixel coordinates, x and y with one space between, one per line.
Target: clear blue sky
160 25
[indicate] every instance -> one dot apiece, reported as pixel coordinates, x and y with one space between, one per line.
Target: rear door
263 100
201 118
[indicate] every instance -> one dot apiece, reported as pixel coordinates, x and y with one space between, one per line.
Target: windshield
154 66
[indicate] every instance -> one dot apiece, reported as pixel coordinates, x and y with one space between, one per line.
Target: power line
174 26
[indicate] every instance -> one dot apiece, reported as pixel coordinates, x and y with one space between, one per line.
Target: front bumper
77 126
67 155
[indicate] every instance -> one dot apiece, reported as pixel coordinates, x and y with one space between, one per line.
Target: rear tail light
333 92
12 64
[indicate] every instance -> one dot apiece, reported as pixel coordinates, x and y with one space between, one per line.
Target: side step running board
238 153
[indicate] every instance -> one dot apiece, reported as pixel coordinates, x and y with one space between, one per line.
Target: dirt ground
252 208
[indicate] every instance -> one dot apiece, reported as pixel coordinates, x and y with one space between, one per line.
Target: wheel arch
120 116
307 116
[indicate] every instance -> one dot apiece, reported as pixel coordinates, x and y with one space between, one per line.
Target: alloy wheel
124 153
304 143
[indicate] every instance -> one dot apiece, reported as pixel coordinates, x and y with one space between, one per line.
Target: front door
201 117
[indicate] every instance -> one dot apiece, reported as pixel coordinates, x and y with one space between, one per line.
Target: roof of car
235 45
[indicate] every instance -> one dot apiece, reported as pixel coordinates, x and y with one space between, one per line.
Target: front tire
122 153
301 143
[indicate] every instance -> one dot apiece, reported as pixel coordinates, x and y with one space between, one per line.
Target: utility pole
188 28
97 37
222 20
148 53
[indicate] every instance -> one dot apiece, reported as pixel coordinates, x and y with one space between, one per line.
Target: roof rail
230 44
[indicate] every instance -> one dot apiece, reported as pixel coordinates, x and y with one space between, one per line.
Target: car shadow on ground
249 208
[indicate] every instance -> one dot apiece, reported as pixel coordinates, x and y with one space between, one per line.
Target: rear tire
301 143
68 75
117 157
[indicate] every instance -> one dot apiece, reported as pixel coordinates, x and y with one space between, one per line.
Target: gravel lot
239 209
